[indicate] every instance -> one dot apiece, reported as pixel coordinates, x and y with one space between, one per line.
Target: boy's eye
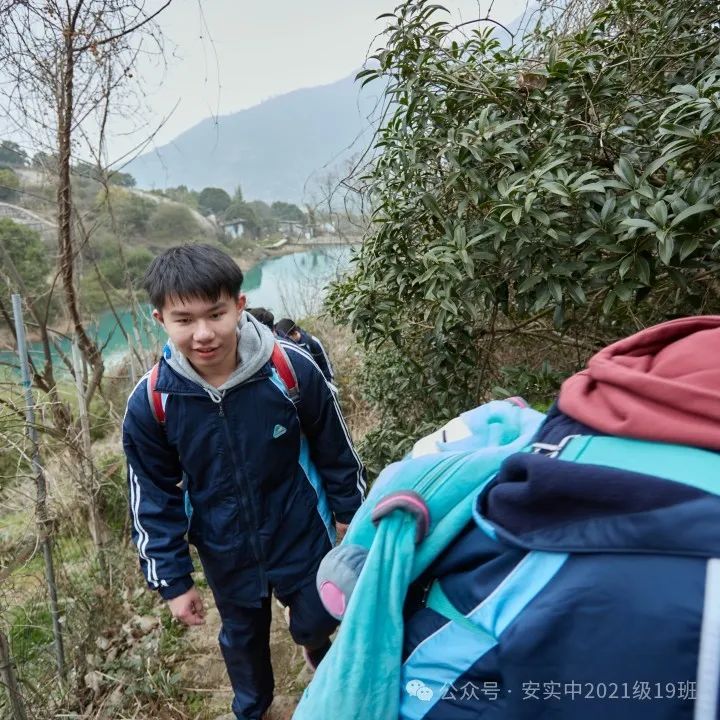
183 321
217 315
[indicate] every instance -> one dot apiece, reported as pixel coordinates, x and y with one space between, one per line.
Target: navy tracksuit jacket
314 347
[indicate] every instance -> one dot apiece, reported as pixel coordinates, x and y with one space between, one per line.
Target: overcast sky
227 55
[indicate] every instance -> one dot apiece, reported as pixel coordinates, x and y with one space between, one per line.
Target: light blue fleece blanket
359 679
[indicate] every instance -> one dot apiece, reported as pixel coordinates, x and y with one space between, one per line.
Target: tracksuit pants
245 644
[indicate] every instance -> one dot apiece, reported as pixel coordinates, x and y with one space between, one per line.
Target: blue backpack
364 581
416 508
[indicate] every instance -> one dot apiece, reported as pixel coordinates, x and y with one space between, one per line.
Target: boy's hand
188 607
340 530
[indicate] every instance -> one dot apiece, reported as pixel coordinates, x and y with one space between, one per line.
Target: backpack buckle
549 450
410 502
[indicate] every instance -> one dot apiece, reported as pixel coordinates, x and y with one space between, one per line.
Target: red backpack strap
281 363
154 396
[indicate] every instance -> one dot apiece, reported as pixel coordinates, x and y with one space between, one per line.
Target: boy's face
204 332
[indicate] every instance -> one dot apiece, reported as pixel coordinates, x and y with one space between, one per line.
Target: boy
263 315
269 480
287 329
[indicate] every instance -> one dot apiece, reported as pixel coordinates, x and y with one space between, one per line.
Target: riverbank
257 254
247 261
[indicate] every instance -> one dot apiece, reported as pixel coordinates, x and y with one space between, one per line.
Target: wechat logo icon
418 689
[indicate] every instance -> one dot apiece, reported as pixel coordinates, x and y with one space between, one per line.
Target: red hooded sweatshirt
661 384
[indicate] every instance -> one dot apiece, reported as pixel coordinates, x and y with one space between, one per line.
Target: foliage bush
179 194
13 458
287 211
172 223
9 184
535 386
565 188
29 256
113 491
131 212
117 270
212 200
12 155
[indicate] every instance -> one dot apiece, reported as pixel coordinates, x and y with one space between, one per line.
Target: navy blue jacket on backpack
265 479
596 586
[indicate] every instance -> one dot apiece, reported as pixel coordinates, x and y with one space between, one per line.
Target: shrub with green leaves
29 256
172 223
9 184
564 190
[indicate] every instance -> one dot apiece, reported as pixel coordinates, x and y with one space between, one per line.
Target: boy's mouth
205 352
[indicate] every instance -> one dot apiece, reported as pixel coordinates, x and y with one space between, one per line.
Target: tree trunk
66 250
66 259
97 528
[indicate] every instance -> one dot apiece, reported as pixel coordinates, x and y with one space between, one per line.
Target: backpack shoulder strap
155 398
281 363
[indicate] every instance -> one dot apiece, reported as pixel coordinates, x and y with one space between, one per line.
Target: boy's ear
158 316
241 301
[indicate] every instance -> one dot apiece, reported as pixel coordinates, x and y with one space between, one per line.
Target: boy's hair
263 315
284 327
192 271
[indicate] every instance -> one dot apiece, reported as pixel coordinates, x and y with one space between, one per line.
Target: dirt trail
204 670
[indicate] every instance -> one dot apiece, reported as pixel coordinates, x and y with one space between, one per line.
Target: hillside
273 150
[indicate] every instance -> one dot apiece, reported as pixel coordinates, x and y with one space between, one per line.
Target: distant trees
287 211
180 194
114 177
173 223
25 250
9 184
213 201
237 207
259 218
261 209
64 65
132 266
12 155
45 161
253 220
120 178
263 216
131 212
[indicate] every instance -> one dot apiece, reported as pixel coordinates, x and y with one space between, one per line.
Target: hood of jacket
661 384
255 346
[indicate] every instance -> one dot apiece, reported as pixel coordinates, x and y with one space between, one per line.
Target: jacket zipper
246 503
249 511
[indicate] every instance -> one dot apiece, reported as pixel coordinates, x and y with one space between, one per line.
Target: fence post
7 678
41 514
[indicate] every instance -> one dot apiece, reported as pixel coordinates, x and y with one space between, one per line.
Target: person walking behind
287 329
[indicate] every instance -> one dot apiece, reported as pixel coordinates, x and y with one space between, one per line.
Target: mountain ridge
275 150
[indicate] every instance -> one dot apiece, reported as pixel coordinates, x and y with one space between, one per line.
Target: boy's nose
203 332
